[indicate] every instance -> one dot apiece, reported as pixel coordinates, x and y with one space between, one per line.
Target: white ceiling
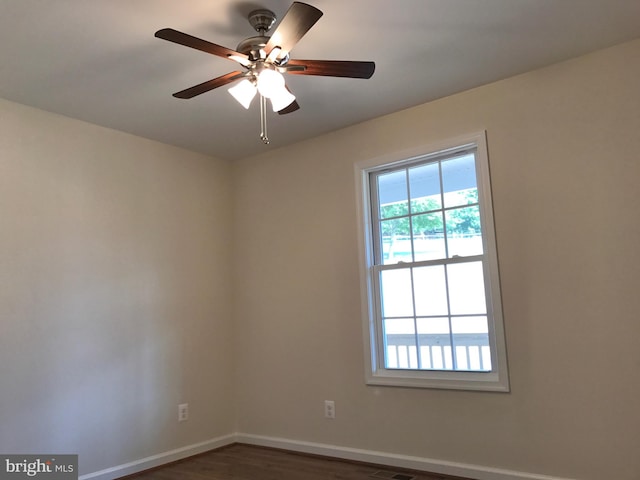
98 61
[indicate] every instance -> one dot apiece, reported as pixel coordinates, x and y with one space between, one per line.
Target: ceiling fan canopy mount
262 20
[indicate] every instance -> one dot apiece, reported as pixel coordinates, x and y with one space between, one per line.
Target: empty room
399 234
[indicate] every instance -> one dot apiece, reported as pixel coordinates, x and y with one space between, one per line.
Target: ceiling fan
265 58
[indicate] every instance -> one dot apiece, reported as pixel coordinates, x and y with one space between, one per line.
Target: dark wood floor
246 462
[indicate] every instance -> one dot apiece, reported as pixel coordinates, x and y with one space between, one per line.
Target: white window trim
376 374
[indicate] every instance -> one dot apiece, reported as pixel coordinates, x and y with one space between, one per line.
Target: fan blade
331 68
291 108
296 22
209 85
189 41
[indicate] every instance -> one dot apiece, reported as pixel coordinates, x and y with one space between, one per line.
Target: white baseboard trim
159 459
392 460
477 472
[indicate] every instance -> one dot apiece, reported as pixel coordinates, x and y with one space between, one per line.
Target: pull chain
263 120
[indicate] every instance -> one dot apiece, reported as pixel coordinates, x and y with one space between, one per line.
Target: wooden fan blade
209 85
189 41
296 22
291 108
331 68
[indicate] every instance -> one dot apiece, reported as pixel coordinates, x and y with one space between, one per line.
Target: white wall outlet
329 409
183 412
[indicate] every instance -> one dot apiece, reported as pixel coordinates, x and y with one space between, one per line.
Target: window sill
473 381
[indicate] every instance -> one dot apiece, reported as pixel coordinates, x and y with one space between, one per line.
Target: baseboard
477 472
159 459
392 460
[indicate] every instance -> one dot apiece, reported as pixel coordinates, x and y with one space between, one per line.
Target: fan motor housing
251 46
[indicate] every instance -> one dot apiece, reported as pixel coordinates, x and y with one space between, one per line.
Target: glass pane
424 184
435 344
391 357
392 194
430 291
459 181
433 326
397 300
428 236
466 289
396 240
464 236
400 326
471 342
400 340
470 325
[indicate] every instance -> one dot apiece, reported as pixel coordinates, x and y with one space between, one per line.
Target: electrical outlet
183 412
329 409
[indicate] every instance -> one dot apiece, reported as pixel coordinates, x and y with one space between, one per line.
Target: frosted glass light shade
281 99
270 83
243 92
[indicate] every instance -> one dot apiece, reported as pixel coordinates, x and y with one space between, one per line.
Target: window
430 277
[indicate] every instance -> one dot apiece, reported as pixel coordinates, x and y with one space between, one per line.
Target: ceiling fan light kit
265 58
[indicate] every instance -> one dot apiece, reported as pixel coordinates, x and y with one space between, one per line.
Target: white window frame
376 374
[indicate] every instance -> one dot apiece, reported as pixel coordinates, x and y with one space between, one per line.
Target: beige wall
564 147
114 293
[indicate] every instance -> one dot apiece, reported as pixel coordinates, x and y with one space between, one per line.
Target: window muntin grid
429 265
